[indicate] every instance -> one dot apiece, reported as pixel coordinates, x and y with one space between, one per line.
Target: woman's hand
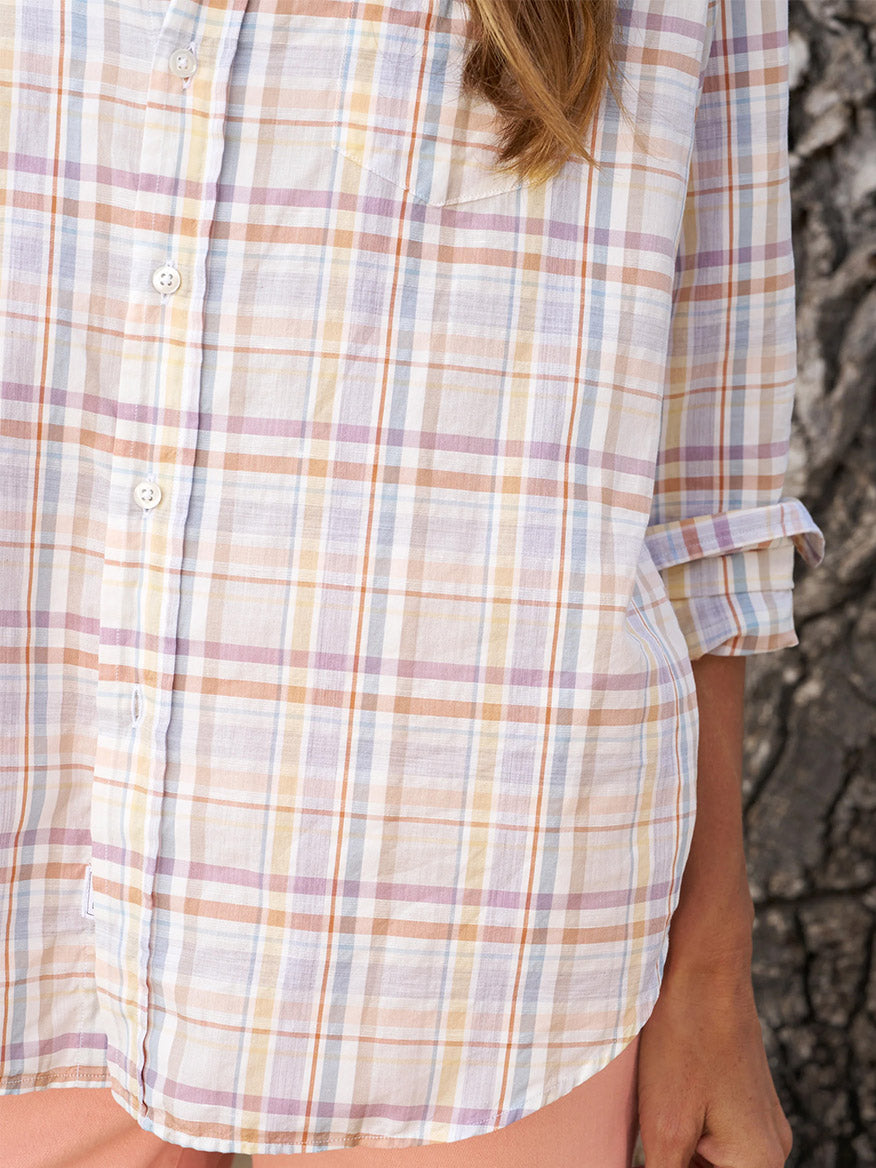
706 1096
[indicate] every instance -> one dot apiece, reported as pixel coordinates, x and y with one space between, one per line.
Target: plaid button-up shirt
363 510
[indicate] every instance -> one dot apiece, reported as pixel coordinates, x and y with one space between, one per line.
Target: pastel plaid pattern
350 590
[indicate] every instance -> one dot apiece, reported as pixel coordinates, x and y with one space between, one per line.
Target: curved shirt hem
553 1090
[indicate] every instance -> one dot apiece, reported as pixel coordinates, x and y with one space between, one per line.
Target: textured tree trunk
810 796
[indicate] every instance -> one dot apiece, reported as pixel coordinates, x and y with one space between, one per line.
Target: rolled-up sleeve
721 532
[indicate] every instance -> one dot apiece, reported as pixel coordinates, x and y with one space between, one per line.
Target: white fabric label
87 899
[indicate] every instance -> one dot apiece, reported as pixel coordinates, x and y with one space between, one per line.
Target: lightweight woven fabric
364 508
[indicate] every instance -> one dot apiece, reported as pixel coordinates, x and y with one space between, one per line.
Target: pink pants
593 1126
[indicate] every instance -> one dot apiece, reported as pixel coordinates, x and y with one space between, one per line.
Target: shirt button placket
161 373
140 600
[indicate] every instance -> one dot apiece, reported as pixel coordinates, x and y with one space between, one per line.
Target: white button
166 278
148 495
183 63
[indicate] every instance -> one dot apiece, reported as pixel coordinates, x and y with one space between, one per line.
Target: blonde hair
544 65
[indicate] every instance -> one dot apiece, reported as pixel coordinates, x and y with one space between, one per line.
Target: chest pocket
401 111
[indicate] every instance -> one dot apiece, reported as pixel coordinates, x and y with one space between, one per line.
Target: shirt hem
554 1089
22 1084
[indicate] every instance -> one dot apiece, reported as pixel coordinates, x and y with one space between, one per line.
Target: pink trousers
593 1126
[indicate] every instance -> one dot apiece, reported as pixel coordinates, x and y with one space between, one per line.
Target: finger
669 1149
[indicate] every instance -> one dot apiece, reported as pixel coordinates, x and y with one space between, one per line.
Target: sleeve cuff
729 577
